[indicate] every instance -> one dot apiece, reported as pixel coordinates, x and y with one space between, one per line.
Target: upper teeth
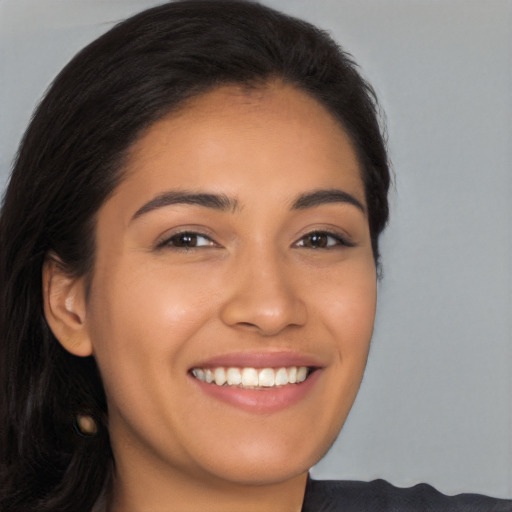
252 377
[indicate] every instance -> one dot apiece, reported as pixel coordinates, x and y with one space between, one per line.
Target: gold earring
85 425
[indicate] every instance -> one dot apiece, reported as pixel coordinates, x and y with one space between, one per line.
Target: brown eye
187 240
322 240
316 241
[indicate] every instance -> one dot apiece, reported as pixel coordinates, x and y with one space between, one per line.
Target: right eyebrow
215 201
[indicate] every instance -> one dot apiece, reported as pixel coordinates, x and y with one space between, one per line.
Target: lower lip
264 400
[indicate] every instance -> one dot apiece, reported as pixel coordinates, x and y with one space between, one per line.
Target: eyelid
164 240
342 240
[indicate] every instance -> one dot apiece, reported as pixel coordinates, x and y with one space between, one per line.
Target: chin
262 473
268 463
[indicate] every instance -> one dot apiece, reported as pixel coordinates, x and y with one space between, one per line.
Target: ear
65 307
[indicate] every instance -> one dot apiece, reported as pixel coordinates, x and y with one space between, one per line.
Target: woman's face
236 247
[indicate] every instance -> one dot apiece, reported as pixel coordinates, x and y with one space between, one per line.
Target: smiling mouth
252 378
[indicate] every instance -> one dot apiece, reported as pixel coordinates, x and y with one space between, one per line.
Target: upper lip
259 360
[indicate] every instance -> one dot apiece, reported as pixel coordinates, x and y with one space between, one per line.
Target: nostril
247 324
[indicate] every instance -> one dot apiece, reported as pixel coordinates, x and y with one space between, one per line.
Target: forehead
243 138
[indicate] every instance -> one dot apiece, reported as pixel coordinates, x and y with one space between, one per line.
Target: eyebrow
216 201
223 202
320 197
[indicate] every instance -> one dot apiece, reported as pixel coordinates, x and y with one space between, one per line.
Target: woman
189 253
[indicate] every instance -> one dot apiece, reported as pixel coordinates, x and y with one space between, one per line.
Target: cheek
353 315
347 302
347 310
142 319
152 300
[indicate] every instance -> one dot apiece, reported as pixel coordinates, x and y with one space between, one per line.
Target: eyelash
339 241
175 240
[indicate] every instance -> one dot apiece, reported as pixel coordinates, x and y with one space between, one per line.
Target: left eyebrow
320 197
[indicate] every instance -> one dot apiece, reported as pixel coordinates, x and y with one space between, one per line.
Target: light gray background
436 402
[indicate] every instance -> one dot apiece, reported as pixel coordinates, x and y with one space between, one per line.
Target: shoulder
381 496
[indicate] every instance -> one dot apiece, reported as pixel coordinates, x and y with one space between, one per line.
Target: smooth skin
178 282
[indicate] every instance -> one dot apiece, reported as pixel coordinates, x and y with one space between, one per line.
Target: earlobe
65 307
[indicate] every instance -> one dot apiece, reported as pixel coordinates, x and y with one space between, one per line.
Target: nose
263 296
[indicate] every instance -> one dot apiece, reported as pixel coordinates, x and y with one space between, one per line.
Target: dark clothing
381 496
